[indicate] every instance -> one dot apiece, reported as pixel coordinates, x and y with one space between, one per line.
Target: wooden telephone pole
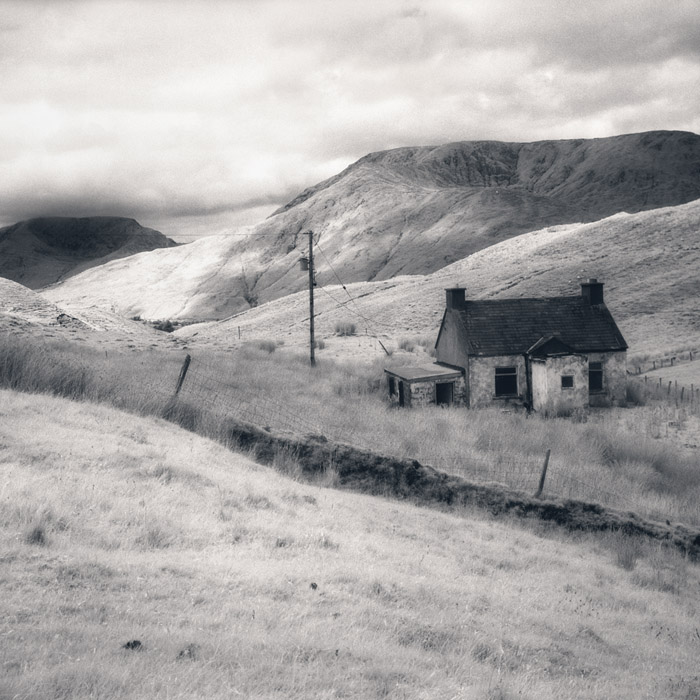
308 264
312 342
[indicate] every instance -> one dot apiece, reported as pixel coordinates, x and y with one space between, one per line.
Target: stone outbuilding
552 355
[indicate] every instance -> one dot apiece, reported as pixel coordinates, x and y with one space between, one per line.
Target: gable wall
450 346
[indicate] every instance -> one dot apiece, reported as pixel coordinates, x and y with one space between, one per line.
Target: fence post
183 373
543 476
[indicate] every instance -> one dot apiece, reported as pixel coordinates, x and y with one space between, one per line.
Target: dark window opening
444 393
401 394
595 376
567 381
392 386
506 381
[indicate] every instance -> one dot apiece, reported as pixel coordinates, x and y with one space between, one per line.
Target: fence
205 382
669 392
147 381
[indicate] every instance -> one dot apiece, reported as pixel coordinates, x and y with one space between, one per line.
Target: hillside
237 581
650 263
25 312
404 211
42 251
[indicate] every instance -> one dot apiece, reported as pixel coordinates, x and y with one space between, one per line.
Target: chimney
455 297
592 292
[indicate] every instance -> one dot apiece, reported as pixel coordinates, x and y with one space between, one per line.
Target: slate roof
513 326
424 373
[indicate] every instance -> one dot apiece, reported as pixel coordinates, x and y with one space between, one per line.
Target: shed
421 385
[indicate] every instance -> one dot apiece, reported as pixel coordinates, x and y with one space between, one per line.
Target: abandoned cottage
551 355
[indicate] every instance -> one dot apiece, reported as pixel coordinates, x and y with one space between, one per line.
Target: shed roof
513 326
417 373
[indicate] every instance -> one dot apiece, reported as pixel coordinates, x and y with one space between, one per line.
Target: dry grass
300 591
626 458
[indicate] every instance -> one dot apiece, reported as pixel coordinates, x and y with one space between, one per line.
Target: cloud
173 111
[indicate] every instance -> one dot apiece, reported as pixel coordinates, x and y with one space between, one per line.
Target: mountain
42 251
649 262
404 211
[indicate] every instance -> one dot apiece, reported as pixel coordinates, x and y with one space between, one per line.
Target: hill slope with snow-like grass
650 263
404 211
237 581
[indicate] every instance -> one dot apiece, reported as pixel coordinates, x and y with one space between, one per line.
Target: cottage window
595 376
506 381
392 386
567 381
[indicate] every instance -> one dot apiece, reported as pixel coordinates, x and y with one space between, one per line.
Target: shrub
636 395
166 326
320 344
267 345
345 328
407 345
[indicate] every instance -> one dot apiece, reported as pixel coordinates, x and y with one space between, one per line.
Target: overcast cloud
196 117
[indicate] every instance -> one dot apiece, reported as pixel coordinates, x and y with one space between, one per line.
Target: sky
197 118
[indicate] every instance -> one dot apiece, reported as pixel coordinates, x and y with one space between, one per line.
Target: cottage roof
423 373
514 326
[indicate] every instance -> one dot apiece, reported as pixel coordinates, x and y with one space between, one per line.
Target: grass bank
239 582
623 458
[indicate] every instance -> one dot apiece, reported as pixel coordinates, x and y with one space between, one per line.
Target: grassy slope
161 536
650 263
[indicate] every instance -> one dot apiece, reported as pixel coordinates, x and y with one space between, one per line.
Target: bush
636 395
165 326
320 344
345 328
407 345
267 345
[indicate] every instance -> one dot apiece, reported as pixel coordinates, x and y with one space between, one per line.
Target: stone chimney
455 297
592 292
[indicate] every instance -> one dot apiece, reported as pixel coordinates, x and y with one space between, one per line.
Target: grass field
641 458
239 582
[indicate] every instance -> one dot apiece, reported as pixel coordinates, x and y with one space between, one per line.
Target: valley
263 528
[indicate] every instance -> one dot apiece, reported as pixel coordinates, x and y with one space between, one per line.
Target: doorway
444 393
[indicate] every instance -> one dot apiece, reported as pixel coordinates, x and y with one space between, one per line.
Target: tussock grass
345 328
623 457
305 591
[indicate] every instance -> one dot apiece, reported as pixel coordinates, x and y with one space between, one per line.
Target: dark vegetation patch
406 479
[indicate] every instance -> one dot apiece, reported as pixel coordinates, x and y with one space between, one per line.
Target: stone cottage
551 355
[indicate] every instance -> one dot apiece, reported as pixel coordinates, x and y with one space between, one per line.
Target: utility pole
312 349
308 264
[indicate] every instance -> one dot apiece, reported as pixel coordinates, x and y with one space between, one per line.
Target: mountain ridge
41 251
410 210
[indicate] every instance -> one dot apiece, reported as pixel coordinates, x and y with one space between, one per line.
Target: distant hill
649 262
404 211
42 251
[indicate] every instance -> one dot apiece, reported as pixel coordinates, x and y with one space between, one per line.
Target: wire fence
670 392
212 384
225 396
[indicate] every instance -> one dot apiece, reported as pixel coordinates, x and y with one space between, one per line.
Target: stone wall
423 393
482 382
548 395
614 378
